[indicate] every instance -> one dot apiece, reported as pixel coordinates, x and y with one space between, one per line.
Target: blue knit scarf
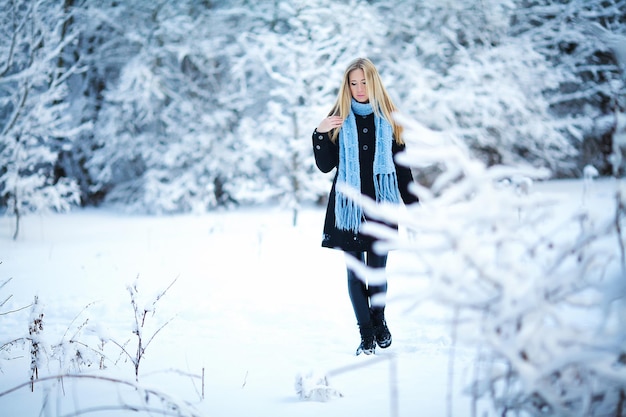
348 212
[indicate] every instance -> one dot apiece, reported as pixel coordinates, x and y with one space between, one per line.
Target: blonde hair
378 97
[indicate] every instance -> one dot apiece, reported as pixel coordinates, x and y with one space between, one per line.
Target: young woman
360 138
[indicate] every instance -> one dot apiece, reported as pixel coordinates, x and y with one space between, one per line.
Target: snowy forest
515 122
187 106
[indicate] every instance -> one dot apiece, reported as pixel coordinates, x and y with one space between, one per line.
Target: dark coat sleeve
405 177
326 152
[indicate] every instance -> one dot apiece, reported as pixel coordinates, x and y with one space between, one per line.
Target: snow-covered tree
34 119
165 133
543 301
196 105
585 101
493 72
99 50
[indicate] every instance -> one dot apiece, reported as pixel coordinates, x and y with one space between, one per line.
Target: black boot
381 331
368 345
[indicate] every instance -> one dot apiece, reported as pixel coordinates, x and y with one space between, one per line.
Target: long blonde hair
378 97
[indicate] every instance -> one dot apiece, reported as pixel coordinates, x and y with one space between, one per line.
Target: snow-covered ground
256 302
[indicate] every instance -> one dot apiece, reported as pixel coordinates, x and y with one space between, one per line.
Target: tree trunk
16 211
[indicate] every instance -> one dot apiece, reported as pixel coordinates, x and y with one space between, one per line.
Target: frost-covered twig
35 328
76 350
538 283
139 317
2 286
5 282
451 358
171 406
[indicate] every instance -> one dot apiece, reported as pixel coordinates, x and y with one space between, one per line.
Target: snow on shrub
315 387
537 284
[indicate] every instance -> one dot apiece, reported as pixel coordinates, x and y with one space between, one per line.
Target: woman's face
358 87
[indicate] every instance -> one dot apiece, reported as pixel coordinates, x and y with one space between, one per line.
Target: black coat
327 157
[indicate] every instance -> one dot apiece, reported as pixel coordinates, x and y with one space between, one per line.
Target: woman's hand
330 123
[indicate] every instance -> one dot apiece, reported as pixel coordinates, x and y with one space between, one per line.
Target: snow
254 304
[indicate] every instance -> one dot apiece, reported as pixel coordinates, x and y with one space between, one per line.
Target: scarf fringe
348 211
386 186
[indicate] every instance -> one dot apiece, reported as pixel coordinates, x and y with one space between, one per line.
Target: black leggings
361 293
